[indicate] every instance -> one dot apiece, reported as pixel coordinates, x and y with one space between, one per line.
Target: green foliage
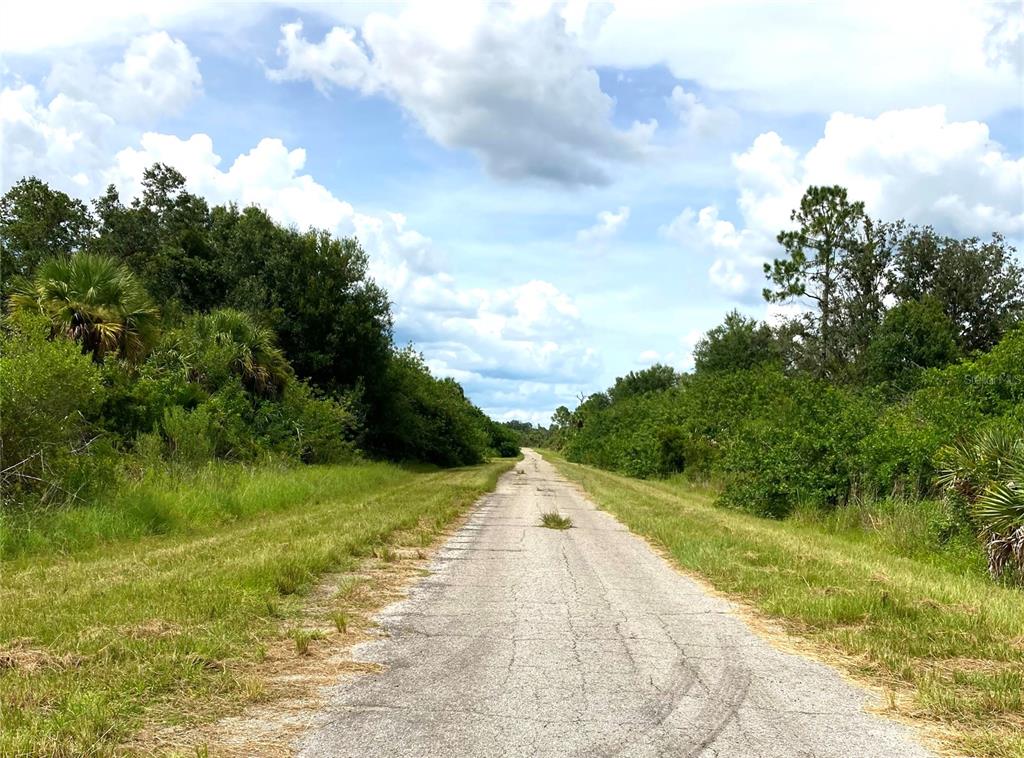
332 320
37 223
739 343
913 336
778 442
829 236
273 341
797 449
213 347
978 284
986 470
504 441
528 435
427 419
49 394
653 379
93 300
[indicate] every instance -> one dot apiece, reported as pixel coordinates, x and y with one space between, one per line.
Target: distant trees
652 379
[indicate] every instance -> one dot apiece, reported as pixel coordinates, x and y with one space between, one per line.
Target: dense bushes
851 402
49 392
777 441
166 331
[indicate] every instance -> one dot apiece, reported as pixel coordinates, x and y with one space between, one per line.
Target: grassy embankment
156 607
944 641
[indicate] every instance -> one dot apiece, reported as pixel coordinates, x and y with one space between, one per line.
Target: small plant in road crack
554 520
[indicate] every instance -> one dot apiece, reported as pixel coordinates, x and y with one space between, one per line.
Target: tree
913 336
655 378
94 300
830 229
333 321
739 343
863 281
428 419
978 285
37 223
164 236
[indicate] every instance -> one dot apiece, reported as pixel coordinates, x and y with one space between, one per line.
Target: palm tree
987 470
233 339
94 300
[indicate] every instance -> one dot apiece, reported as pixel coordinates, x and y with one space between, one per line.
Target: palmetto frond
243 346
988 470
94 300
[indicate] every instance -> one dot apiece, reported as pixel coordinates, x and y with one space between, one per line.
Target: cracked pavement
526 641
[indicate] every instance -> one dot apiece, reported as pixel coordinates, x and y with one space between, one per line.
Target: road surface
526 641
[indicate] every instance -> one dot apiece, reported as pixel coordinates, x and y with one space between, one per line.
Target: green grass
555 520
944 640
163 620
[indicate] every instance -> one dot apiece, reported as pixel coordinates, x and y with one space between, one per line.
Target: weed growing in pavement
555 520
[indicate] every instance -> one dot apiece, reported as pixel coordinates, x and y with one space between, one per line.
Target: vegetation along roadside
98 641
944 641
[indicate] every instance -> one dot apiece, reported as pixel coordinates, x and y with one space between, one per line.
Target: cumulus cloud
492 340
59 140
66 137
608 224
864 57
157 75
699 119
913 164
507 83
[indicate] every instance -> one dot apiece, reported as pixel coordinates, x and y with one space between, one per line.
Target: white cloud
489 338
509 84
156 76
68 138
913 164
863 57
699 119
55 140
608 224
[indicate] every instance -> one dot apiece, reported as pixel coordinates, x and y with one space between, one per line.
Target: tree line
901 379
165 329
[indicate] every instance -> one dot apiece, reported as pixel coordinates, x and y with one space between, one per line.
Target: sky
552 194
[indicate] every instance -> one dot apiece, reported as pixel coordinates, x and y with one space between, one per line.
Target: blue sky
553 194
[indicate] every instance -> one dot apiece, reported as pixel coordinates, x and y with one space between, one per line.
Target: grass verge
126 631
947 646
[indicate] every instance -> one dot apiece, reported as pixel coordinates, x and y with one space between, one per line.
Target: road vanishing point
527 641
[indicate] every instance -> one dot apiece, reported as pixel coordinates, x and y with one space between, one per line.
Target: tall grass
181 500
929 626
156 605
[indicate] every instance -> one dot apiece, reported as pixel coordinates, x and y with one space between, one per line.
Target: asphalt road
526 641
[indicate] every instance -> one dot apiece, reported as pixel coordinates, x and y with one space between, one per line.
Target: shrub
49 394
309 427
672 448
504 441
